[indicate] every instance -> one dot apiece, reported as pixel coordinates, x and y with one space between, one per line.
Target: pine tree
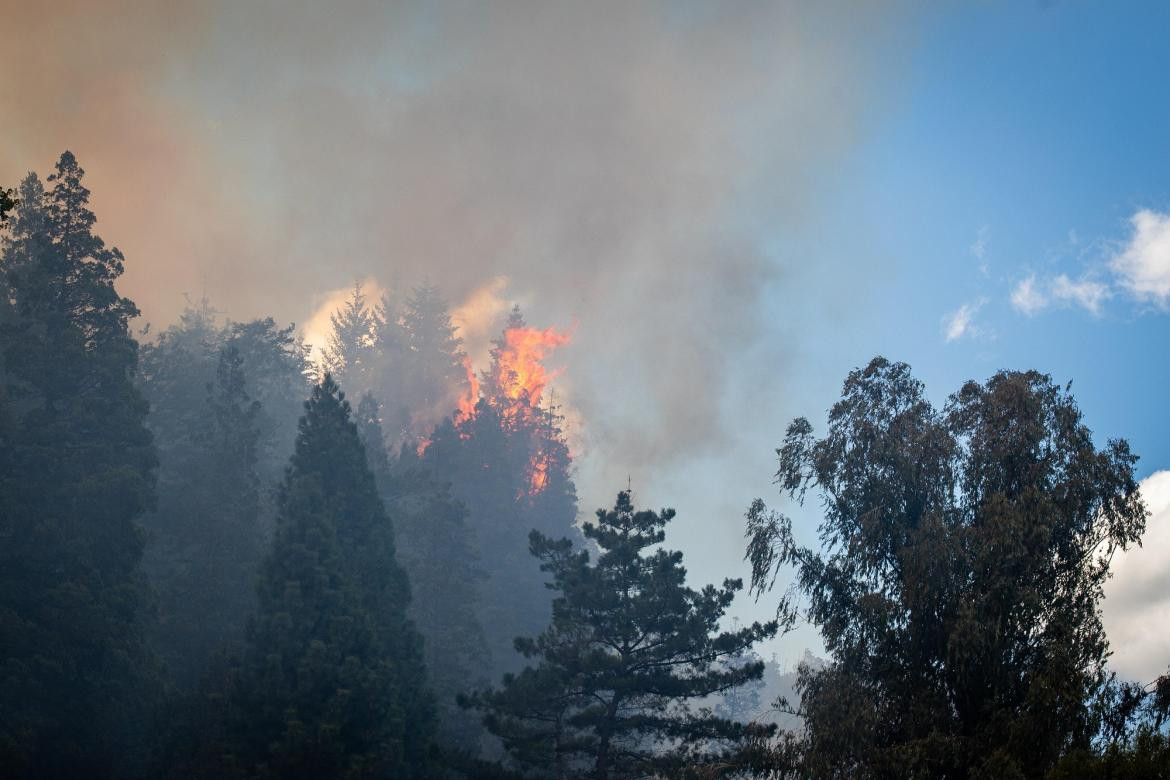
7 203
221 441
629 646
435 375
349 354
76 474
390 367
333 684
434 546
489 473
205 550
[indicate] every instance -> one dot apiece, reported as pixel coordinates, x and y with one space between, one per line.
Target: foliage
434 548
221 400
8 202
629 646
957 586
76 474
332 683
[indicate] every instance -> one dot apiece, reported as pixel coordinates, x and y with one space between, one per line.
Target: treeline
204 574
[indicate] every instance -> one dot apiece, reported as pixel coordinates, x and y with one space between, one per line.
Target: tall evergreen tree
959 583
434 546
206 540
222 442
349 353
76 474
629 646
333 684
435 375
509 464
388 380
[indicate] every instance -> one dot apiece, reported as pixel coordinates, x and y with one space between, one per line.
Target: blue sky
1028 136
1018 143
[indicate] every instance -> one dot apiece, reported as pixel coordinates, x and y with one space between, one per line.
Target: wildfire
537 474
465 409
522 376
516 383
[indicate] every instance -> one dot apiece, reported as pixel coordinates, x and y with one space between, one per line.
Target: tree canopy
958 580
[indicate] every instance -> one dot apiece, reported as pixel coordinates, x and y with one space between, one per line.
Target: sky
731 206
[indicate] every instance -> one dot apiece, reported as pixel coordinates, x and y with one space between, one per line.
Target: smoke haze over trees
190 589
304 483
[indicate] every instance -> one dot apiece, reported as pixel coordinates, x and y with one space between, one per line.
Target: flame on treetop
521 377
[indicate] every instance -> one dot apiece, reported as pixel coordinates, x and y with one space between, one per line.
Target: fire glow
523 377
519 379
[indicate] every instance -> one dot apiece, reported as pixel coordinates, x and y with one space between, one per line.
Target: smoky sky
627 168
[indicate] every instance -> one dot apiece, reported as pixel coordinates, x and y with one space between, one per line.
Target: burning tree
507 460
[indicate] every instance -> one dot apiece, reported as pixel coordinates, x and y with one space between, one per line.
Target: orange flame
421 449
466 405
522 372
537 475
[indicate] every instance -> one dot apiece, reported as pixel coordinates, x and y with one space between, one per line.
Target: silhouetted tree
76 474
349 353
508 463
221 397
7 202
206 536
434 374
957 589
629 646
332 683
435 548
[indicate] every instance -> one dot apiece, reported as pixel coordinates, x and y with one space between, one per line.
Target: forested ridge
220 557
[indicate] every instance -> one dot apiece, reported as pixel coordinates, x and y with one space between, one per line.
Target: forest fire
465 409
522 377
538 474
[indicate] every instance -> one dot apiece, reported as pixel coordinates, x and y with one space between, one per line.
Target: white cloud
1027 297
1086 293
1143 267
961 322
1136 610
1032 296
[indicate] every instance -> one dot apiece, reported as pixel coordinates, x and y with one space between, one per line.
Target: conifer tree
207 532
434 374
7 203
221 397
508 463
333 684
349 354
389 381
434 546
629 646
76 474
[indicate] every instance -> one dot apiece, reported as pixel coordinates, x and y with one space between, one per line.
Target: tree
221 398
7 203
958 586
629 646
434 546
349 354
332 683
76 474
434 375
508 463
207 534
